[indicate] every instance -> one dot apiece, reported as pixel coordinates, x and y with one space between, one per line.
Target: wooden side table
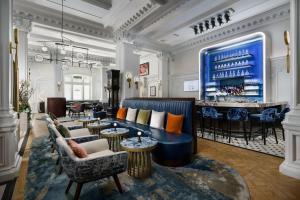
86 121
114 136
95 128
139 157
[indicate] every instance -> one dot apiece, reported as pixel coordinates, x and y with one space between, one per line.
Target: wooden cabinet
57 106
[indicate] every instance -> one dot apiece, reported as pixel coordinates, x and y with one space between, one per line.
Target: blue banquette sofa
173 149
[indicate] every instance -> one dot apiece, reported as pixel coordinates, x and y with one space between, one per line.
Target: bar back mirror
235 70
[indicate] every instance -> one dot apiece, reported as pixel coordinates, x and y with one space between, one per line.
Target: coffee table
139 157
114 136
96 127
86 121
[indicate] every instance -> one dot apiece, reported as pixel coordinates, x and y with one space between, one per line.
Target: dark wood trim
78 190
9 189
193 100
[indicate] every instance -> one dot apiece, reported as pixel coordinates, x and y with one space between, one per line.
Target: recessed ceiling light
44 48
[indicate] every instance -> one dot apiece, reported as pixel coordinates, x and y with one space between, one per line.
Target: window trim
83 83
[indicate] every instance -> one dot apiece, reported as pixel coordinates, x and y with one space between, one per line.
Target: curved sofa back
178 106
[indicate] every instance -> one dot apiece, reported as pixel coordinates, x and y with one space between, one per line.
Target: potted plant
25 93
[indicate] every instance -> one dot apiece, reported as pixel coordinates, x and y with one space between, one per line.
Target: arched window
77 87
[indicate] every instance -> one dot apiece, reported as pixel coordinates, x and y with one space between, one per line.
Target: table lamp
139 133
115 125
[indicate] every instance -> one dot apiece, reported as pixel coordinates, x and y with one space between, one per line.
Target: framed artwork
152 91
143 69
191 86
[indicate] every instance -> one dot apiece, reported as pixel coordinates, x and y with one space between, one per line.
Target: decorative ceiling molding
55 21
137 17
272 16
22 24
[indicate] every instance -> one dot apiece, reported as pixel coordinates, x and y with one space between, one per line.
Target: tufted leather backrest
178 107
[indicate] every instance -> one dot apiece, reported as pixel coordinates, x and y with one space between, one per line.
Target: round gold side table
87 120
114 136
139 157
96 127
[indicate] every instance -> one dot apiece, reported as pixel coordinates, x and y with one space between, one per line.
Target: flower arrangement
25 93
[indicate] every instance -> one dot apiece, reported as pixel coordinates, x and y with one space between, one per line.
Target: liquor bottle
238 73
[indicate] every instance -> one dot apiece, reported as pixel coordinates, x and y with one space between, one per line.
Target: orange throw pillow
79 151
174 123
121 114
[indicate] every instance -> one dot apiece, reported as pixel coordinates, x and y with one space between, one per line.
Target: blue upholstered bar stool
280 117
214 117
267 120
237 115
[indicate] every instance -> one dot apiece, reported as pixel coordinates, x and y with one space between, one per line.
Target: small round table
96 127
139 157
114 136
86 121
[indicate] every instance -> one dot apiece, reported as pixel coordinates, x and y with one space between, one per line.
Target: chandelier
64 51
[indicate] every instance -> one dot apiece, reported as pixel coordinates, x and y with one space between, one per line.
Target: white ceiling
164 25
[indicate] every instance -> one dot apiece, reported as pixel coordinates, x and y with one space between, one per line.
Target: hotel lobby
149 99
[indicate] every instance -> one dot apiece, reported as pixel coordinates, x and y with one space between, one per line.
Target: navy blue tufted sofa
172 149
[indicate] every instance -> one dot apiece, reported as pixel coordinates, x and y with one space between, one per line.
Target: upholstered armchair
100 163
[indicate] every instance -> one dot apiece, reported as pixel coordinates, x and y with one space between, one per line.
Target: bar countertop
237 104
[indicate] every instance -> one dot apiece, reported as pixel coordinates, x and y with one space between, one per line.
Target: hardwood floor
260 171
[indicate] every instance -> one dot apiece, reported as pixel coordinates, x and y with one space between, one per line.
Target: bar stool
280 117
237 115
199 114
267 120
214 117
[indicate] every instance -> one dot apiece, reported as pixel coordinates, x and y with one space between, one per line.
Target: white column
24 27
127 61
9 158
291 124
103 95
163 73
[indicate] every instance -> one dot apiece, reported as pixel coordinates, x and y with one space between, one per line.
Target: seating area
149 99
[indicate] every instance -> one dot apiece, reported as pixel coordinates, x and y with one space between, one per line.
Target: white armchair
100 163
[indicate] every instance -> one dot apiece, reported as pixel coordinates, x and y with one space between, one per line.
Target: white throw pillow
131 114
157 119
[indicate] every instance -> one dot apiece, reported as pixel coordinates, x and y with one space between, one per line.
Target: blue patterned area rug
201 179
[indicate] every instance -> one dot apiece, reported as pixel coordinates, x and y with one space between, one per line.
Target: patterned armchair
100 163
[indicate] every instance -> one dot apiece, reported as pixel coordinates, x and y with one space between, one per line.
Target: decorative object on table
139 159
143 69
98 120
115 126
139 133
114 137
136 81
152 91
128 77
287 43
113 81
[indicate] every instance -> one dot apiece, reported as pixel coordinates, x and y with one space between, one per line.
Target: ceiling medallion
212 22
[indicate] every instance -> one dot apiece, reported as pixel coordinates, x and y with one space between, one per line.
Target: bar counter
240 105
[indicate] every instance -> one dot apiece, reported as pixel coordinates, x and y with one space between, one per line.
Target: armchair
100 163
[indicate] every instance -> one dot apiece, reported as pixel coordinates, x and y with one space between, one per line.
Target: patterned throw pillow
131 114
78 150
157 119
121 114
143 116
63 131
174 123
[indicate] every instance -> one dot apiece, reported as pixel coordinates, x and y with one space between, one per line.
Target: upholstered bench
173 149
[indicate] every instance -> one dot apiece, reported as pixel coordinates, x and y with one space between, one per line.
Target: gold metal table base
139 164
114 141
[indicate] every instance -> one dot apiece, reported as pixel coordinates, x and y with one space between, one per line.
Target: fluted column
163 73
9 158
291 124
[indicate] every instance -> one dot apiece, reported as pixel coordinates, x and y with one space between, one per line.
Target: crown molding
54 20
270 17
22 24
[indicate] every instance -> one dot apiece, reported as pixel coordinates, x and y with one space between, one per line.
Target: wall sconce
286 35
58 85
128 77
136 80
